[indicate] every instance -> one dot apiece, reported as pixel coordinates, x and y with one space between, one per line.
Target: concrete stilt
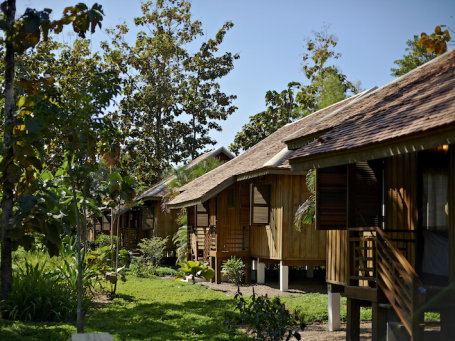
309 271
254 268
334 309
284 277
260 272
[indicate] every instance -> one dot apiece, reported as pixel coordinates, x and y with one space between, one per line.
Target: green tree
171 97
19 35
282 108
326 85
415 56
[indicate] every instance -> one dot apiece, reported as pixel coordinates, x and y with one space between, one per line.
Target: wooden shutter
331 198
148 216
106 225
244 199
191 216
202 215
365 194
260 204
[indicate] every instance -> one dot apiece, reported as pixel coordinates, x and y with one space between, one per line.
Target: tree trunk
8 154
79 312
158 143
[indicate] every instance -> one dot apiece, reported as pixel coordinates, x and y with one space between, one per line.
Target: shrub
153 249
139 268
195 269
39 294
100 264
164 272
104 240
265 318
180 240
234 270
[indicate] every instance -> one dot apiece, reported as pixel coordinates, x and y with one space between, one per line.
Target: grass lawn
146 309
159 309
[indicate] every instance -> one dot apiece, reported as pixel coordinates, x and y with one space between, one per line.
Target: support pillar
254 267
218 270
309 271
284 277
212 265
260 273
353 320
334 309
379 322
248 271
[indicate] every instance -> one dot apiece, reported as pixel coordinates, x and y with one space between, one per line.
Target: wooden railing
362 269
379 261
232 239
399 281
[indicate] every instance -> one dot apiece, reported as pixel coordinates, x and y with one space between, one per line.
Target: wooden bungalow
246 208
150 219
386 198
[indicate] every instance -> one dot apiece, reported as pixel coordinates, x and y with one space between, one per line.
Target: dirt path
271 289
313 331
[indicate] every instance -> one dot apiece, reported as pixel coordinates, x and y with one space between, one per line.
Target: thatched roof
158 191
268 156
414 112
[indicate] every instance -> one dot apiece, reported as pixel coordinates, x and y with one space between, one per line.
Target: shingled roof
268 156
414 112
158 191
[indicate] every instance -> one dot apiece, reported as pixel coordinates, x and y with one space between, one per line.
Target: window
349 196
260 204
331 198
202 215
231 198
148 214
435 190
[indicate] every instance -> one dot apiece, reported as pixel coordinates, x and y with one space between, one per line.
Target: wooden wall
280 240
337 257
452 213
401 200
232 220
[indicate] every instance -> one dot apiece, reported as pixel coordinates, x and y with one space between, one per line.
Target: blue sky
270 36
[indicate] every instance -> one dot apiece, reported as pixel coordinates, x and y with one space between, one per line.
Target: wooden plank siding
452 213
229 213
280 240
337 270
231 225
401 201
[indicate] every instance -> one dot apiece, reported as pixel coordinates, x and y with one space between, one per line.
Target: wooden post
379 322
284 277
334 309
218 270
353 320
212 265
309 271
254 267
248 270
260 273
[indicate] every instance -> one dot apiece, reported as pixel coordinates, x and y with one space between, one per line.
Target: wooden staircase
399 282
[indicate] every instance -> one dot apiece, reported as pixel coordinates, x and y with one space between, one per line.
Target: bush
153 249
139 268
195 269
40 294
234 270
265 318
104 240
164 272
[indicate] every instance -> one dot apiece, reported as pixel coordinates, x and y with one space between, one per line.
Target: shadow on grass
18 331
195 320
